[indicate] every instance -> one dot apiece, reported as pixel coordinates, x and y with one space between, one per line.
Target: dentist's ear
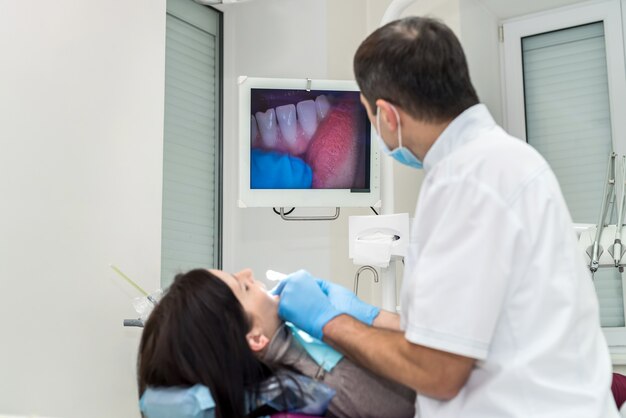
387 115
256 339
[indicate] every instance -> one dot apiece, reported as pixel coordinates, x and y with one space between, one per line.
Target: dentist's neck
420 136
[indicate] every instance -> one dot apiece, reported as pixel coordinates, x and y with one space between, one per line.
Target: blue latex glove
303 303
346 301
273 170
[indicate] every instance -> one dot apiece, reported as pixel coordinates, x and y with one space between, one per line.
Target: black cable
373 210
285 213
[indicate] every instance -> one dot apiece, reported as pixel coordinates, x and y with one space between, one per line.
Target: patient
223 331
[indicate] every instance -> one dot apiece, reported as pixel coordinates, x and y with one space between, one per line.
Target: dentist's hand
347 302
340 298
303 303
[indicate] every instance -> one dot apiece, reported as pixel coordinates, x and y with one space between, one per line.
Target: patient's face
253 296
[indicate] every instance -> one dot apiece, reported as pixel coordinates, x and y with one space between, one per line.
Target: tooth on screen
322 106
267 126
287 122
307 117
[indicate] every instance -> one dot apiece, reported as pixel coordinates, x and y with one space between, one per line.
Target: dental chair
618 388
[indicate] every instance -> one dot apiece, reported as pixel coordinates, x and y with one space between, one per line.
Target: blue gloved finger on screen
346 301
274 170
303 303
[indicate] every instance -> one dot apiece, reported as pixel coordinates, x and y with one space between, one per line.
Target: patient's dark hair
197 334
418 64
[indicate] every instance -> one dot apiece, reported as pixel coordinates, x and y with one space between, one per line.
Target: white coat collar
463 129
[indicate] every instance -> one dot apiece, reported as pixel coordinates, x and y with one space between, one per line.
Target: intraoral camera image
316 139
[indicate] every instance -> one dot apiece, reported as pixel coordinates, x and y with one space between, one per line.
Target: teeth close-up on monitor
321 130
288 128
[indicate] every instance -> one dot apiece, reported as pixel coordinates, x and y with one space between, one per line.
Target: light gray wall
81 121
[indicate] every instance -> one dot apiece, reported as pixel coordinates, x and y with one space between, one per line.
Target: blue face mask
401 154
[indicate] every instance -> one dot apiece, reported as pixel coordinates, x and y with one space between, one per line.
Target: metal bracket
609 193
309 218
358 273
618 248
133 323
308 84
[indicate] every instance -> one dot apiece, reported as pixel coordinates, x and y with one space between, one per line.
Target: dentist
499 315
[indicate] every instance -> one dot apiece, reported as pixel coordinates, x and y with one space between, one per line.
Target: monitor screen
301 142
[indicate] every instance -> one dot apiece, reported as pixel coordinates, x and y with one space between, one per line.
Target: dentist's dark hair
418 64
197 334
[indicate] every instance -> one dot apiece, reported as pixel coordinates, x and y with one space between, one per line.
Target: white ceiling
506 9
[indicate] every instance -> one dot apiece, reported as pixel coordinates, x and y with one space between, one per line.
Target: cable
373 210
286 213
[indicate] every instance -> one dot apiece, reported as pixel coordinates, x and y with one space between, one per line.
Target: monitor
305 143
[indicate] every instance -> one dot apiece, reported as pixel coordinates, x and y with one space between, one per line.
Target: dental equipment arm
608 194
434 373
617 246
129 280
394 10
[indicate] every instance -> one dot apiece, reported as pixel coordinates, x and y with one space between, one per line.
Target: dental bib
324 355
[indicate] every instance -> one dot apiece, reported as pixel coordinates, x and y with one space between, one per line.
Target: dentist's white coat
494 273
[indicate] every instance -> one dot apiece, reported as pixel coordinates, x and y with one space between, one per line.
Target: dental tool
143 304
595 249
617 246
132 283
274 276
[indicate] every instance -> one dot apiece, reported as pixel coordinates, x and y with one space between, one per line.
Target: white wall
479 35
445 10
81 121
